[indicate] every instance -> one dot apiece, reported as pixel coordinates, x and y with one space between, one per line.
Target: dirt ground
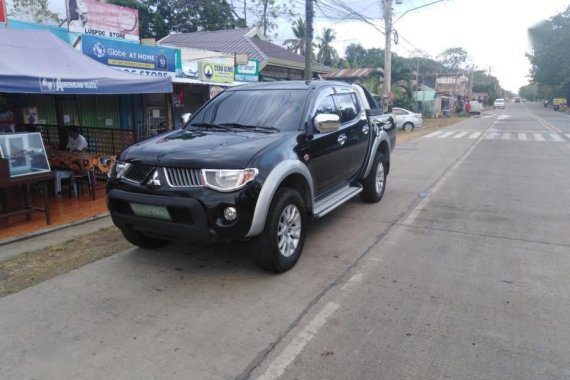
31 268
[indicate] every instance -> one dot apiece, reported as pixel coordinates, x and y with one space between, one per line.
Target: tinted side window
325 105
347 107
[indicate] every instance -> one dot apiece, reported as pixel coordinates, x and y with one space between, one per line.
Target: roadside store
47 86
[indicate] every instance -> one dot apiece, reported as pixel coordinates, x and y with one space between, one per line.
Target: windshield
280 109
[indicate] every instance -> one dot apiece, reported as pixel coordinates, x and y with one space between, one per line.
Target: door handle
365 129
341 139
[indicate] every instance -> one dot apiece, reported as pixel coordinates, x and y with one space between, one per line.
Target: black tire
142 240
375 184
408 127
271 249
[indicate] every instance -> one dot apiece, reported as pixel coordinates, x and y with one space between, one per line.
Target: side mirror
185 118
326 122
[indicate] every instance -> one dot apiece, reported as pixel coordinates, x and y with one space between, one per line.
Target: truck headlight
228 180
119 168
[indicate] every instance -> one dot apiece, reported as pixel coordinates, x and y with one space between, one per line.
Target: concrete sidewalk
57 235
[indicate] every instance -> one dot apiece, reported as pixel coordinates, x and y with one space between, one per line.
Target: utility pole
309 39
388 46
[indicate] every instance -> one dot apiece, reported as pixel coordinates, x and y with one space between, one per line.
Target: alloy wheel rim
379 177
289 230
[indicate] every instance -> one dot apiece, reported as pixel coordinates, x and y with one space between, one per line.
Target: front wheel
408 127
375 184
142 240
279 246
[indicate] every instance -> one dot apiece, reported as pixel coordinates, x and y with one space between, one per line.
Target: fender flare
270 186
380 137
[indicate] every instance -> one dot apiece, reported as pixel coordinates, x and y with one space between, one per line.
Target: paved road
461 272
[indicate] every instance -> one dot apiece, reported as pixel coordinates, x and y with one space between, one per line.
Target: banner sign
249 72
216 72
133 58
3 11
102 19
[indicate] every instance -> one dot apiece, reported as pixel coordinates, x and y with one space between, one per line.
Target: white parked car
499 103
407 120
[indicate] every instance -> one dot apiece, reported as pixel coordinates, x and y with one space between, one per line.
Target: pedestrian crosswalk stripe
494 134
475 135
460 135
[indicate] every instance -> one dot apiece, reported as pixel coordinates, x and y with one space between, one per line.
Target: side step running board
333 200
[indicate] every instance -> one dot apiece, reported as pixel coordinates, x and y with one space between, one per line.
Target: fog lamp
230 213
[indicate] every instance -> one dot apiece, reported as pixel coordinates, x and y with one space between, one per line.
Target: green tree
267 12
327 53
453 58
355 55
151 23
550 59
34 11
297 44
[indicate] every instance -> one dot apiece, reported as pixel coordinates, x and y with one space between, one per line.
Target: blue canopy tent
36 61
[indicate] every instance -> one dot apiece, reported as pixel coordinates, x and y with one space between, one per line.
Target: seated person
75 141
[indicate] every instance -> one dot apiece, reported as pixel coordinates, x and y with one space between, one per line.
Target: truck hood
201 149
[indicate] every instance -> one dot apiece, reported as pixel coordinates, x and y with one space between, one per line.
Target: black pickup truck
258 162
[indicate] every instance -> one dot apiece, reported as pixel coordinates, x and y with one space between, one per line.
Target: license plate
150 211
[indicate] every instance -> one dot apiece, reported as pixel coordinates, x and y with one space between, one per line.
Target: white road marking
433 134
538 137
475 135
460 135
445 134
556 137
491 135
286 357
506 136
352 281
522 136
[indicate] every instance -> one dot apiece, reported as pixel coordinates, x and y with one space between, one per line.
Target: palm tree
297 44
327 54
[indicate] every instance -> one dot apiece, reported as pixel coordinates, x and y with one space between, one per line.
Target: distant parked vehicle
476 107
407 120
499 103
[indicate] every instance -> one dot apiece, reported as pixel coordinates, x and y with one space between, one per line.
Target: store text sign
216 72
133 58
102 19
248 72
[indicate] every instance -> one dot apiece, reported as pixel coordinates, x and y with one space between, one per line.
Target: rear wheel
375 184
408 127
279 246
142 240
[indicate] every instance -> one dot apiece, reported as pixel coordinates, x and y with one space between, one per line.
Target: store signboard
133 58
248 72
216 72
2 11
102 19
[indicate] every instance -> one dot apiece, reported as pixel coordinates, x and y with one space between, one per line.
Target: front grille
181 177
138 172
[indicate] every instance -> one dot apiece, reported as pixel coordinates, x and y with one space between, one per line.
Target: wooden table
24 182
81 162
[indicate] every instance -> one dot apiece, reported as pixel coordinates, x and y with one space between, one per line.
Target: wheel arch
290 173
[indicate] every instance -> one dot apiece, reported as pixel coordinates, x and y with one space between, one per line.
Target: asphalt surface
461 272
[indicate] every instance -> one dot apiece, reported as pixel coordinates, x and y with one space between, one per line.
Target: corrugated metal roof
238 41
354 73
225 41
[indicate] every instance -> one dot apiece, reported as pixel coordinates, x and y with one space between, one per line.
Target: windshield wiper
210 125
259 128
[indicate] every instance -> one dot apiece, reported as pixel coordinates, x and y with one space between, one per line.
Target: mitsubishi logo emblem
154 181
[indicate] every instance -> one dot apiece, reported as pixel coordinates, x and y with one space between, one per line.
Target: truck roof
288 85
